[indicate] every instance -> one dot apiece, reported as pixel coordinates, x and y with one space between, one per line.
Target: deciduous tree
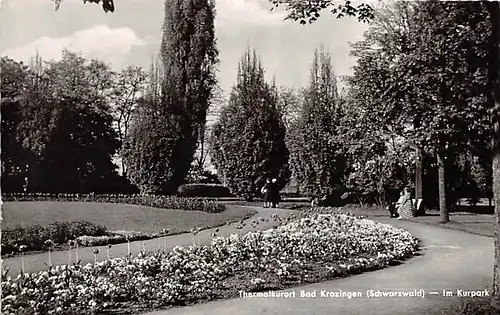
448 70
14 79
129 86
67 126
494 107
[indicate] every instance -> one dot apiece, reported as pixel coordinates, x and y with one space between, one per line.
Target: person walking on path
265 192
406 209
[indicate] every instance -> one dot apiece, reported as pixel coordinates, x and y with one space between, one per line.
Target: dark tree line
57 126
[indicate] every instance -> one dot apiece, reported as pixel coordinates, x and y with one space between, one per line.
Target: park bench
417 203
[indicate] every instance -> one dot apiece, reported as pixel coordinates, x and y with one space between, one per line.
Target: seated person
392 210
393 206
406 209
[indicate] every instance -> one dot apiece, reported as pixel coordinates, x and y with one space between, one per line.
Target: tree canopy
60 124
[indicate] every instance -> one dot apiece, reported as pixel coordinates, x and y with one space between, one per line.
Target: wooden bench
417 203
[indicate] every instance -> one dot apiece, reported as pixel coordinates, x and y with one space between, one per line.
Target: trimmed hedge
115 237
59 232
165 202
204 190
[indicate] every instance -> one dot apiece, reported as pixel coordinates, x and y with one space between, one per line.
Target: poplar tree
165 134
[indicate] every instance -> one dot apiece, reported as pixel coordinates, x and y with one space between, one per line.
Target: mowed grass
117 216
471 222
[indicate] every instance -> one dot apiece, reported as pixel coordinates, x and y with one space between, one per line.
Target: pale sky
132 34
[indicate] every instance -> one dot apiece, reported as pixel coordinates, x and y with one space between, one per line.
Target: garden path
37 262
450 260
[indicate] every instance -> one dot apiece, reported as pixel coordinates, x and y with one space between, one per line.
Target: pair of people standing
271 193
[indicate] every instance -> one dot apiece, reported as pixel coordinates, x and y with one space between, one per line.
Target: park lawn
287 204
117 216
475 223
480 224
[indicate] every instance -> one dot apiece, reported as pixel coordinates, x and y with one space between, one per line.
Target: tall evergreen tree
316 162
248 141
189 55
171 117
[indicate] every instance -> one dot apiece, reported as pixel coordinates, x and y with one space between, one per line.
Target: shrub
164 202
59 232
474 306
86 240
335 199
204 190
115 237
198 175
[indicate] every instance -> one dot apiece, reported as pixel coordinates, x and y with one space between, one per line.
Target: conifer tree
248 141
315 159
161 149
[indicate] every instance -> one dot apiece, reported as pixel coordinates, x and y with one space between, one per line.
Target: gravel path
37 262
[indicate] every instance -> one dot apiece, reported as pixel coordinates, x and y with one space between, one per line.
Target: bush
115 237
334 199
164 202
204 190
201 176
35 236
474 306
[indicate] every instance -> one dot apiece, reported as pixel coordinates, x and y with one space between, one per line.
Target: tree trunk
124 171
494 103
496 222
419 167
442 189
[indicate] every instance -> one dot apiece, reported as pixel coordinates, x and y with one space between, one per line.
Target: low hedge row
34 237
165 202
204 190
115 237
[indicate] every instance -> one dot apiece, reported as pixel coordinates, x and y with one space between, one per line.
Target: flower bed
165 202
33 237
314 247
